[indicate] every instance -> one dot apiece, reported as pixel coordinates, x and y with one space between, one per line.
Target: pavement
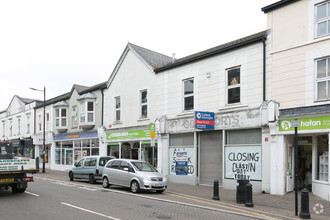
278 206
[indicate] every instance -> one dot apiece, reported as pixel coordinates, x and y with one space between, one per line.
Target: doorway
305 148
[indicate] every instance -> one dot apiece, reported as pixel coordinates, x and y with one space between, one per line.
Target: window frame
143 104
325 79
85 112
39 122
60 117
325 19
184 96
229 87
117 109
74 116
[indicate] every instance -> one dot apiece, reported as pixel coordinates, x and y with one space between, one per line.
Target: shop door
210 157
305 162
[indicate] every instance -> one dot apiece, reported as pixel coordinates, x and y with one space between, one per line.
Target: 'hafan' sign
243 162
313 123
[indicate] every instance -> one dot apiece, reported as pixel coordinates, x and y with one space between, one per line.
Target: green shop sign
313 123
124 135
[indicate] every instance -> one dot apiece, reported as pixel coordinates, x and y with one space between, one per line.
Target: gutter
212 53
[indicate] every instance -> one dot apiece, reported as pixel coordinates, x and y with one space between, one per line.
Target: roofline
277 5
212 53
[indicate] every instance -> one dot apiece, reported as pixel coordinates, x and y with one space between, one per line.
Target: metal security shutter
210 157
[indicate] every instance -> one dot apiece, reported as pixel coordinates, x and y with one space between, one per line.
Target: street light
43 132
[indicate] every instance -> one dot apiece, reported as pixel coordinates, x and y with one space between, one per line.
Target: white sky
59 43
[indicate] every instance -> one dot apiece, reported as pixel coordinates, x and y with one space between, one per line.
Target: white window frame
325 19
18 125
84 112
74 114
28 124
325 79
47 118
60 118
143 104
238 85
117 108
10 127
39 122
184 96
3 128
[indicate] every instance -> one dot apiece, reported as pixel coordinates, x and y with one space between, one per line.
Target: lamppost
43 132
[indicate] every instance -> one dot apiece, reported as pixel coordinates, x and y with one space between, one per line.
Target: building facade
130 105
17 125
232 83
300 32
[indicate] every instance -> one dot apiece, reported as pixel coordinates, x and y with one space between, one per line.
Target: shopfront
137 144
39 149
70 148
313 151
23 148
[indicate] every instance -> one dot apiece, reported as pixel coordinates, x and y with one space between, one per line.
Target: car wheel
91 179
105 182
71 176
135 187
160 191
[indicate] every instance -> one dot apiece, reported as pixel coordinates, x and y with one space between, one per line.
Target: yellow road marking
222 206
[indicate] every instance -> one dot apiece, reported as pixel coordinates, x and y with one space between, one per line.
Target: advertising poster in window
243 162
182 161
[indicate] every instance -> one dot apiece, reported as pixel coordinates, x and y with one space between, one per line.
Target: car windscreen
143 166
104 160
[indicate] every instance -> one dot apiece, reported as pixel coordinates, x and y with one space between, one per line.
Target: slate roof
215 50
27 100
277 5
304 110
153 58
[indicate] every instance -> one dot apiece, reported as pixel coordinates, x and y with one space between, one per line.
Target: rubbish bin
241 190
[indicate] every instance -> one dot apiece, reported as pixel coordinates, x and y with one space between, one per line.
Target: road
54 199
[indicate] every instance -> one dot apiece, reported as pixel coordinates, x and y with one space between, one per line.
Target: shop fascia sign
312 123
134 134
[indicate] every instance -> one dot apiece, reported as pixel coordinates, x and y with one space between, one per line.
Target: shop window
149 153
233 86
248 136
144 104
188 94
113 150
323 78
322 158
186 139
118 108
322 23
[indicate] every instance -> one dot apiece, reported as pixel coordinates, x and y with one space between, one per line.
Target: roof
27 100
215 50
304 110
277 5
153 58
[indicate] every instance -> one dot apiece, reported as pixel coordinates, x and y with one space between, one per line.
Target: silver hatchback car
136 174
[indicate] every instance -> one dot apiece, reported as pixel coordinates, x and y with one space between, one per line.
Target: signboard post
295 124
204 120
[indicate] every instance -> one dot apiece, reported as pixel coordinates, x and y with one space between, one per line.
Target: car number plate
158 184
8 180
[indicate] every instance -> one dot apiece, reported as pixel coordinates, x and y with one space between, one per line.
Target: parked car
135 174
90 167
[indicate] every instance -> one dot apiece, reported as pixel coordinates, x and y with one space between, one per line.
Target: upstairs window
188 94
47 121
28 124
60 117
18 126
323 78
144 104
10 127
74 116
86 111
233 86
39 123
3 128
322 19
117 108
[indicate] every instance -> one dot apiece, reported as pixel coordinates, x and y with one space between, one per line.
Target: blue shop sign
76 136
204 120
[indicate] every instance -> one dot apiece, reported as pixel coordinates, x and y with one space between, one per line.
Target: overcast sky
63 42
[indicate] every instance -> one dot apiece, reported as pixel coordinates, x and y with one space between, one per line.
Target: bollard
216 190
241 190
304 212
249 202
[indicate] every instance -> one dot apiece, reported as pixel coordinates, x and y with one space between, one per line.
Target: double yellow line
223 206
